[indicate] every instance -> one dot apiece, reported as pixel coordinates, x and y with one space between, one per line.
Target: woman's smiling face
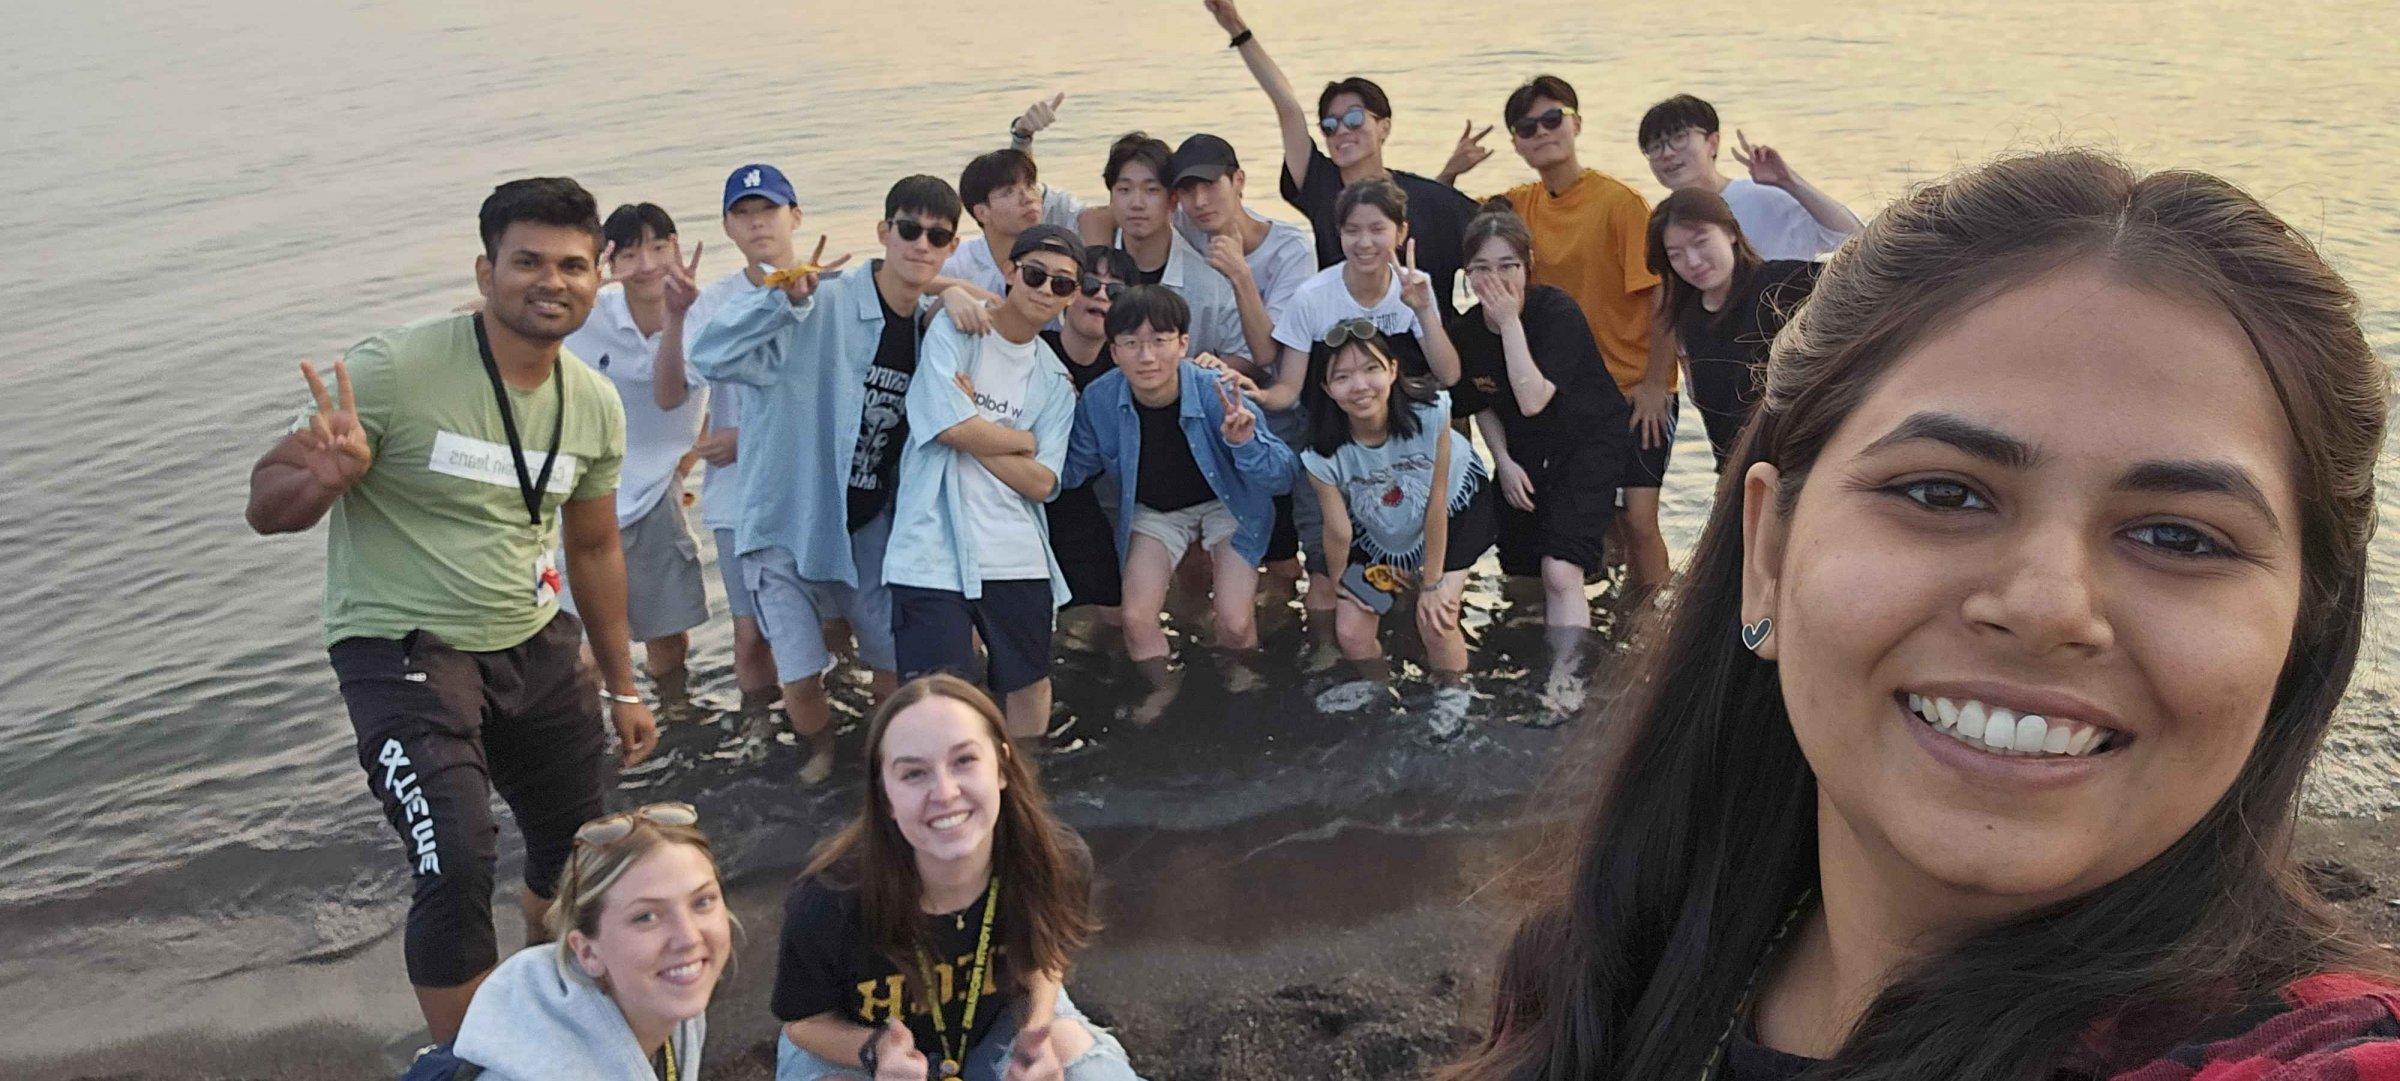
2036 594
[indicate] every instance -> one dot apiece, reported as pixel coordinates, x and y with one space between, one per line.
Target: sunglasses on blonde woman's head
1350 330
1061 285
910 229
1546 120
609 829
1352 118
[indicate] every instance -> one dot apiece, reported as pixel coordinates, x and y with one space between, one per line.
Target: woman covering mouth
1971 745
945 916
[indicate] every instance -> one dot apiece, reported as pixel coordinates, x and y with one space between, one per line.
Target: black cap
1201 157
1056 239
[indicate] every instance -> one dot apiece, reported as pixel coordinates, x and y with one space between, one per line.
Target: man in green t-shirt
457 451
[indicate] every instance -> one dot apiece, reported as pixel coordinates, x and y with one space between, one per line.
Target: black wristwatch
866 1052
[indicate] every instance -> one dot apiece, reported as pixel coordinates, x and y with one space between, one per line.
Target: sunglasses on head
609 829
910 229
1350 330
1546 120
1093 286
1352 118
1061 285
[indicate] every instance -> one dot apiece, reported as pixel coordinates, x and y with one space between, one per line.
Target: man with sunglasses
1782 215
989 417
1355 117
827 373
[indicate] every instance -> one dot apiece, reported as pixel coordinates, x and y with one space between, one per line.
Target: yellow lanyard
670 1059
954 1056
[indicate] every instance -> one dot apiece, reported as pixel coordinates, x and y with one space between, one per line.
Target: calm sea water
206 194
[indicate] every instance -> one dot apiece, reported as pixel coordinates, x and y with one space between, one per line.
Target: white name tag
490 463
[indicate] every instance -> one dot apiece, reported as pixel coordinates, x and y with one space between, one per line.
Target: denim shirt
807 366
1247 478
932 546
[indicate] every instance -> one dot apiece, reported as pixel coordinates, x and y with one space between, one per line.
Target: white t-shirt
1775 223
1324 300
1008 541
655 439
720 485
1279 264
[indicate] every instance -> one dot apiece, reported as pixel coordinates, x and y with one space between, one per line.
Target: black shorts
439 729
933 630
1283 541
1647 468
1085 546
1573 504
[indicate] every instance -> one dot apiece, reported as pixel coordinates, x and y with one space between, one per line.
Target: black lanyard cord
528 485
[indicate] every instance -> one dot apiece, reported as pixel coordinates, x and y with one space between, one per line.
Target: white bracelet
621 699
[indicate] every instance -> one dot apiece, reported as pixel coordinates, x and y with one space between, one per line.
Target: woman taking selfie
622 994
1972 748
1724 305
931 937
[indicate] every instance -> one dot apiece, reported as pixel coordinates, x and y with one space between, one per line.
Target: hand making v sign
334 445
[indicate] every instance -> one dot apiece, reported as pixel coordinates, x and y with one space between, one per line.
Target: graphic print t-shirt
825 965
1385 487
1008 536
883 419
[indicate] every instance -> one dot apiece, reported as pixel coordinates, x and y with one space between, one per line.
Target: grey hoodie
533 1020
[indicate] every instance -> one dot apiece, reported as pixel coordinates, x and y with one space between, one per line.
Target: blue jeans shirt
1247 478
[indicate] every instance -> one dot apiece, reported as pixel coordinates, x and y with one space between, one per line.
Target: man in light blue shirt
822 423
988 421
1193 467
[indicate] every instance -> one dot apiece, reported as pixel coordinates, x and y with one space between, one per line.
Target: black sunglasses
1033 276
1350 330
1352 118
910 229
1546 120
1093 286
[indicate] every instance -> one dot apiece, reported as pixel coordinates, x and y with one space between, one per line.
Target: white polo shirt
1775 223
655 439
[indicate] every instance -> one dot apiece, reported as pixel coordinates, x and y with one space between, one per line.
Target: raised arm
1299 143
1416 291
1767 167
298 479
670 378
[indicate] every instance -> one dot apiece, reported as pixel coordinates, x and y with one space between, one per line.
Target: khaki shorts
1209 523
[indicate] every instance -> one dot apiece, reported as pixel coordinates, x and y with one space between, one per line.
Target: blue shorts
934 630
986 1061
792 611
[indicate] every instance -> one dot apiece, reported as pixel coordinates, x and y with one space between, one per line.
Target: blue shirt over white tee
720 485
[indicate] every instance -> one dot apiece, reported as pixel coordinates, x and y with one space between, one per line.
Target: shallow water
208 194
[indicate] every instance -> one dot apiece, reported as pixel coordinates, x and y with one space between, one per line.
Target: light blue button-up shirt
807 366
1247 478
932 545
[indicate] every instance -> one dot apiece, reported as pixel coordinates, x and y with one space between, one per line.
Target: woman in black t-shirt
1556 423
931 937
1726 305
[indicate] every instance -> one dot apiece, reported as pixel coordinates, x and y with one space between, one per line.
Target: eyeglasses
1352 118
1093 286
609 829
1546 120
1351 330
1136 345
910 229
1665 143
1061 285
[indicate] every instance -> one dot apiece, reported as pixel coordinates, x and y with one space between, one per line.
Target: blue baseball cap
760 179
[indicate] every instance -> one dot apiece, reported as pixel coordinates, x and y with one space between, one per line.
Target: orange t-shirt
1590 241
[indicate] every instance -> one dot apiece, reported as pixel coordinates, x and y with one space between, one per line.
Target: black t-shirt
1171 479
1083 375
1746 1060
1149 277
883 419
1587 400
1755 310
1437 221
825 965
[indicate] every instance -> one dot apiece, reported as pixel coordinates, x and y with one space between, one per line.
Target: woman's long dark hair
1695 206
1328 426
1045 882
1703 829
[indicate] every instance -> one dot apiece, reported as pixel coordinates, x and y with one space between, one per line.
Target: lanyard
528 485
1741 1009
669 1060
953 1057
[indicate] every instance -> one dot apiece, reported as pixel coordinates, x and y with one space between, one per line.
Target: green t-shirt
435 537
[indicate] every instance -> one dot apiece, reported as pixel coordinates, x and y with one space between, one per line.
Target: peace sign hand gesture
803 279
682 281
1766 165
334 445
1416 286
1241 425
608 265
